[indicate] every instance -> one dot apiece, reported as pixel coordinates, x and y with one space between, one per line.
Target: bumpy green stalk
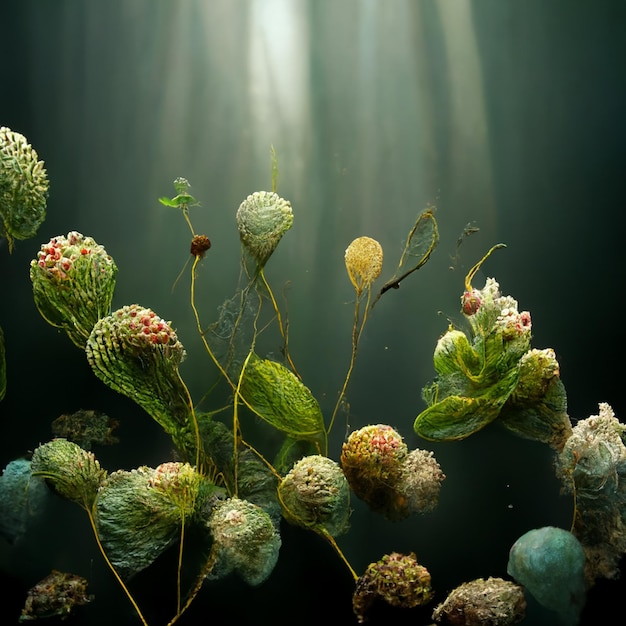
23 187
136 353
73 281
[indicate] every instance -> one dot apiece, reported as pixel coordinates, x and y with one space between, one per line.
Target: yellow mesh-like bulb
364 262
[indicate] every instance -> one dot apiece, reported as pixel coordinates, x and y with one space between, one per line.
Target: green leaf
167 202
454 354
421 241
277 396
545 420
458 417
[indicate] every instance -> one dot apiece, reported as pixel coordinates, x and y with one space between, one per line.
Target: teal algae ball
549 562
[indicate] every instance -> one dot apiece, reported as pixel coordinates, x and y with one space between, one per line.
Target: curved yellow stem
283 329
92 522
473 270
334 544
357 331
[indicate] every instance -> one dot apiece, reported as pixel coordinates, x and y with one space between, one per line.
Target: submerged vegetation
229 499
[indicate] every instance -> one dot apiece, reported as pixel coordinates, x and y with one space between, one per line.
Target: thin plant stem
199 324
281 328
179 569
357 330
324 533
208 566
194 420
92 522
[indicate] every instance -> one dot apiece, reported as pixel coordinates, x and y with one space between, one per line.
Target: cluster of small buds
420 483
398 579
377 448
480 602
141 326
59 254
512 323
172 475
179 482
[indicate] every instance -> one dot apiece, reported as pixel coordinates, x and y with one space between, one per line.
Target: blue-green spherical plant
550 562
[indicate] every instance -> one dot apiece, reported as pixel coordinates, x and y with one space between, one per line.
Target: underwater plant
73 281
398 579
219 502
23 187
384 474
550 562
490 371
480 602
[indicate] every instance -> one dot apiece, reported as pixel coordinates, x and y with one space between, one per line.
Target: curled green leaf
457 417
421 241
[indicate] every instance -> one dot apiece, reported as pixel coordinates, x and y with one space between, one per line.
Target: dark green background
507 115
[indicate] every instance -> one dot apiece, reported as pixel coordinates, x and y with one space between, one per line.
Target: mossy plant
231 497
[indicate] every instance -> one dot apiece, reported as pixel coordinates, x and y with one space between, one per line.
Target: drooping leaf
457 417
421 241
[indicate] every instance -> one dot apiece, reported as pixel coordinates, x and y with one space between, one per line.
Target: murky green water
505 116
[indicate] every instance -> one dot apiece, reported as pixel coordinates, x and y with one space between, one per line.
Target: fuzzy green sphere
315 494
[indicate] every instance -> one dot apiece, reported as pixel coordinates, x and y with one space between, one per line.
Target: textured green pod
73 281
592 466
262 219
455 355
398 579
140 513
483 602
244 540
73 472
371 460
276 395
383 473
136 353
23 187
537 408
315 494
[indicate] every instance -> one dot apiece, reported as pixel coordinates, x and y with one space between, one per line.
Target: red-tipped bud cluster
145 326
59 254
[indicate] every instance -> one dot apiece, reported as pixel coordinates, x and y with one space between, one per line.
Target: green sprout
183 200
